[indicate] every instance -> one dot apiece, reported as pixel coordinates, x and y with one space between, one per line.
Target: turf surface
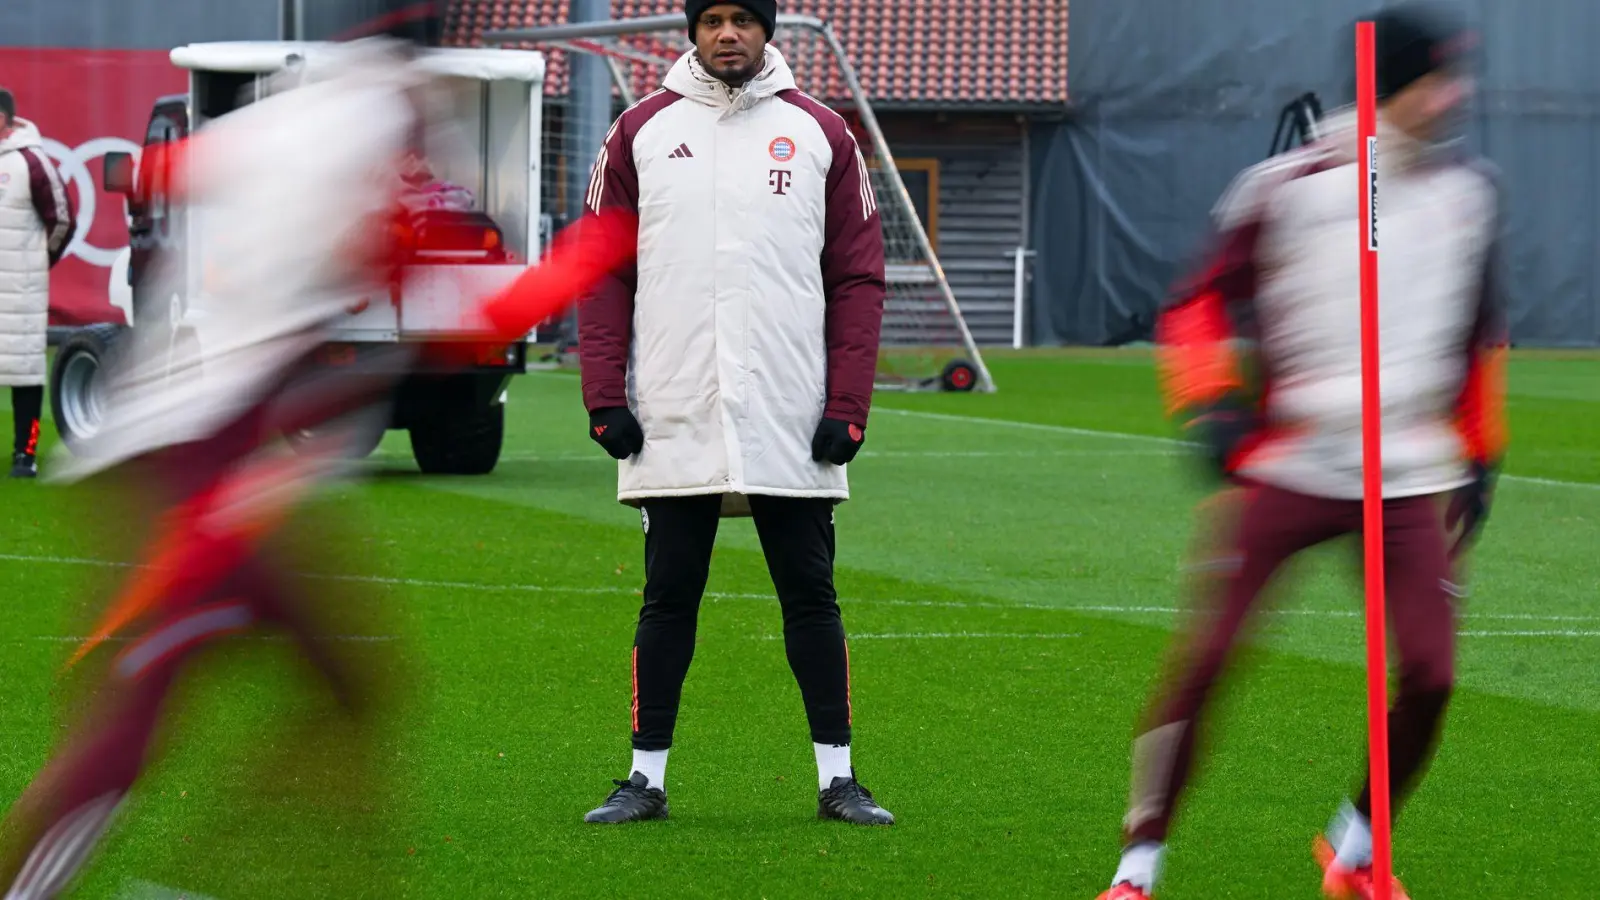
1009 575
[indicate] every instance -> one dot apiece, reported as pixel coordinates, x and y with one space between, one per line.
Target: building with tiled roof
909 53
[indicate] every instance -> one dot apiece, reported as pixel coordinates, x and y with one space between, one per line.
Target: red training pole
1372 463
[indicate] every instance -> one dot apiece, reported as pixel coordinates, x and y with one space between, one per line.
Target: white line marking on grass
149 890
1035 426
948 635
66 560
1154 439
1531 634
1017 454
635 591
872 454
1551 482
74 639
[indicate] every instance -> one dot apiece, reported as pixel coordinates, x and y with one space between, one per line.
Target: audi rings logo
73 163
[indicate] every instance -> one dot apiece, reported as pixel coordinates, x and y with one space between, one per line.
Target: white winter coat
758 297
35 226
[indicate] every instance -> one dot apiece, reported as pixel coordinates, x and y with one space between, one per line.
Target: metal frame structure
575 34
1299 120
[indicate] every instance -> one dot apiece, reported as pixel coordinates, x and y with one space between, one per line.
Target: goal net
926 343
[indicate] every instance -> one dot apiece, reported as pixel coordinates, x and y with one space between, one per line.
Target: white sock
1141 865
1352 836
652 764
833 761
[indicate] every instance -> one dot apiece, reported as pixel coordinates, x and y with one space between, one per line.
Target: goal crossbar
578 35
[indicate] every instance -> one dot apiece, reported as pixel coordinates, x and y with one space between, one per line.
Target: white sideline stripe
723 595
1152 439
1551 482
1541 634
149 890
1034 426
948 635
77 639
870 454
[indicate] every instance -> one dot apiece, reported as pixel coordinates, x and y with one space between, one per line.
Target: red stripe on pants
635 708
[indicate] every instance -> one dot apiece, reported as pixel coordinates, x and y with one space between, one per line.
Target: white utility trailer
456 415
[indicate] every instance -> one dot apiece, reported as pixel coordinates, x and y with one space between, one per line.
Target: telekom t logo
781 180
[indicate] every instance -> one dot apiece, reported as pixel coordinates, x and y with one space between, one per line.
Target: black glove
1469 508
615 429
837 441
1221 428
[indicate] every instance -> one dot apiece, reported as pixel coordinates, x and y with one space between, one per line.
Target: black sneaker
24 465
632 801
847 801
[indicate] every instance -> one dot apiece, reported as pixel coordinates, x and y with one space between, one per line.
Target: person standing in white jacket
731 371
36 224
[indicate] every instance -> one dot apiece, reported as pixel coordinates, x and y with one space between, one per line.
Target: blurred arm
1195 353
1481 408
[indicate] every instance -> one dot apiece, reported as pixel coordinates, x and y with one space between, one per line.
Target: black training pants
27 408
797 539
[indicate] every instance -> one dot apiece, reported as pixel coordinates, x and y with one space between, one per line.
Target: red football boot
1341 883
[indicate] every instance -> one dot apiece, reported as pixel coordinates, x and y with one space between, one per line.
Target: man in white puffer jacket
731 372
36 224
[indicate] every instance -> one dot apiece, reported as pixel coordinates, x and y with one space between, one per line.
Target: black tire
76 382
959 376
457 430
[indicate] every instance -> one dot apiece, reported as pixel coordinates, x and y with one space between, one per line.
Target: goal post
926 342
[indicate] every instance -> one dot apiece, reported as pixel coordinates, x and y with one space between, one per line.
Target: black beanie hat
1414 40
765 11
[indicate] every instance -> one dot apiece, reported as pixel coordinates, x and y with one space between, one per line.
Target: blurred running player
294 228
1285 260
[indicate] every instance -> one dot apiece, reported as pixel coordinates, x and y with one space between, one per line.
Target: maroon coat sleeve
853 278
605 318
51 202
854 282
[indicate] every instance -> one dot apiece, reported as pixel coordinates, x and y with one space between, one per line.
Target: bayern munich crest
782 149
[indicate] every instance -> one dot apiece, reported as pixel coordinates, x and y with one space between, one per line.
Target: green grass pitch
1008 570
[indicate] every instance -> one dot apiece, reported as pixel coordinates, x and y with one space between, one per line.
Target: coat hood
24 135
689 78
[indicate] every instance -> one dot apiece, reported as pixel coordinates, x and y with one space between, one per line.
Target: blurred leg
1269 526
62 814
27 408
1418 584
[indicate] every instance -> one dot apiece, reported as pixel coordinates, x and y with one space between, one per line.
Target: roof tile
951 52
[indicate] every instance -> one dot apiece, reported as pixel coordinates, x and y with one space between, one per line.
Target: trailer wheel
76 383
456 429
959 375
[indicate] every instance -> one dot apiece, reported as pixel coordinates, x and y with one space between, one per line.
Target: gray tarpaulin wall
1171 98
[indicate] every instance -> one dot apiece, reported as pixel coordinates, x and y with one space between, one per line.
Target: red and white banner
88 103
